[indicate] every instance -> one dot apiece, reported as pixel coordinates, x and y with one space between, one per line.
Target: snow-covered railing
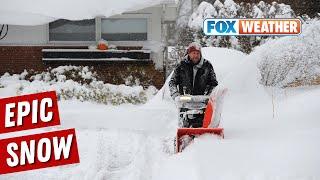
95 55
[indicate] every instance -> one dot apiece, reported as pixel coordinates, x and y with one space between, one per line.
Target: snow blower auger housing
198 115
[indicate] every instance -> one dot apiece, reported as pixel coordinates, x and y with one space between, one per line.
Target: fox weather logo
230 27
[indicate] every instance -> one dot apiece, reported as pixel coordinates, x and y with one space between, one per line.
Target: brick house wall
15 59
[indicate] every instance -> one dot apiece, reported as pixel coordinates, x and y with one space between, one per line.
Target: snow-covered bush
292 61
230 9
62 73
76 82
136 76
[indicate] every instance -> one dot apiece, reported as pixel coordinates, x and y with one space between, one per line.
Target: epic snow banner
230 27
37 150
29 112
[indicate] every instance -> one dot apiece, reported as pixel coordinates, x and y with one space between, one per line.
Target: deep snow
270 133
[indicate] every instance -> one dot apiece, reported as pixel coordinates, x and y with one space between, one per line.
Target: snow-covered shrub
230 9
134 78
62 73
76 82
292 61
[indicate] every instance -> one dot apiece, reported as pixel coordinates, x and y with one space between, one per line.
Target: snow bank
224 61
289 60
20 12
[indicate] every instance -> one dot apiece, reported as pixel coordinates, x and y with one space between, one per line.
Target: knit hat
194 47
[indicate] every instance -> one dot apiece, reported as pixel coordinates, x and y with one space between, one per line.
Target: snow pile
20 12
74 82
224 61
291 60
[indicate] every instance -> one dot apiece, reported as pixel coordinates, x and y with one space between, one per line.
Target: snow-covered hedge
292 61
75 82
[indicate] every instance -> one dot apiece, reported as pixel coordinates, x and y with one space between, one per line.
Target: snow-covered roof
36 12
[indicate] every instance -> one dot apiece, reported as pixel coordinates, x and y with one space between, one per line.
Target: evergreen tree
245 44
185 36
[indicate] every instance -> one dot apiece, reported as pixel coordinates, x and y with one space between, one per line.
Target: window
124 29
65 30
110 29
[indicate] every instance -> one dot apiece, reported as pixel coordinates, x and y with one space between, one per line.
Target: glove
176 99
175 95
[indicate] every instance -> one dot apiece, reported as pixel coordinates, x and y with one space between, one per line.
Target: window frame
70 42
98 30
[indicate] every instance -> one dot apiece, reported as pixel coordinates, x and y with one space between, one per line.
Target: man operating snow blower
191 85
194 75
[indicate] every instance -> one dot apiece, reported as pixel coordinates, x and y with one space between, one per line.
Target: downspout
163 41
164 50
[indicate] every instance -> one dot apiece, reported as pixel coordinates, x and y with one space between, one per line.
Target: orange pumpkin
102 46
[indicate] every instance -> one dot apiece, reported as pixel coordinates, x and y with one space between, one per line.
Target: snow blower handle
193 99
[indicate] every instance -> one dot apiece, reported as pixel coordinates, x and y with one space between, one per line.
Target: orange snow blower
198 115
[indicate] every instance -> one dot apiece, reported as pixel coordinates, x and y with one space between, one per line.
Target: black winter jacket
183 80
